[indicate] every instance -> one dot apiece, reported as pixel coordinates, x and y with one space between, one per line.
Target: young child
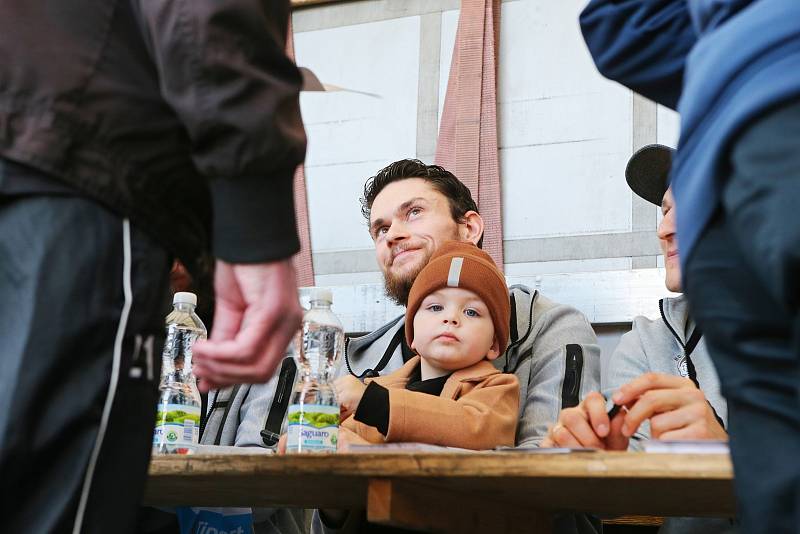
457 320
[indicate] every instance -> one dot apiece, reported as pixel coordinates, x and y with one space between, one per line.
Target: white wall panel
351 135
669 126
348 279
565 132
564 189
608 297
568 266
448 32
333 208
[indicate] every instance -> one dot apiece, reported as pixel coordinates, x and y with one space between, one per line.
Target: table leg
423 506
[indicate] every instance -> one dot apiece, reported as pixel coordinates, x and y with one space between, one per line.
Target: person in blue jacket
731 68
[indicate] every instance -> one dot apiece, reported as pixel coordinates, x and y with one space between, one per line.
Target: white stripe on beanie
454 276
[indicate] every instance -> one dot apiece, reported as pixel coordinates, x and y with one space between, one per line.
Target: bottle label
312 428
177 424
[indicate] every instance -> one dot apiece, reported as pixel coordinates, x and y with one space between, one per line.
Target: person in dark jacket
732 70
124 126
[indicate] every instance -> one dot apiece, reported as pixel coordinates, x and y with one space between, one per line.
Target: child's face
453 330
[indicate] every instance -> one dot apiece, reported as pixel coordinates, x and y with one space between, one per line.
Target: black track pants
83 296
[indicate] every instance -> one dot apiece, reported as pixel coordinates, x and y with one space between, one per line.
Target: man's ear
471 227
494 351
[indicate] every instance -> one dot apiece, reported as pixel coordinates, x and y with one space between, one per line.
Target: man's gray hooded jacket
236 416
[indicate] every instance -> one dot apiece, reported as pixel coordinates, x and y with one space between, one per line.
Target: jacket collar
675 312
473 373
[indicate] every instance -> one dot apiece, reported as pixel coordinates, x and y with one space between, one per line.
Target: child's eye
435 308
469 312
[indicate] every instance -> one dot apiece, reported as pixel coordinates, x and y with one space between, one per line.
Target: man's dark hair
458 195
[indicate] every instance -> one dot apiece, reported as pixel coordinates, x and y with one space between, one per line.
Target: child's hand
349 391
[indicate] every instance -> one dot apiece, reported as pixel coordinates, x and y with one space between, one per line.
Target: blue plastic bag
196 520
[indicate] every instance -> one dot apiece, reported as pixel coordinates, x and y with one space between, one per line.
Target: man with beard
413 208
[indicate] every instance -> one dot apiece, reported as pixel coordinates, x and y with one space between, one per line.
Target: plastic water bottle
313 414
178 419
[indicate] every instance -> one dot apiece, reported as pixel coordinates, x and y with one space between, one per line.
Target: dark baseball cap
647 172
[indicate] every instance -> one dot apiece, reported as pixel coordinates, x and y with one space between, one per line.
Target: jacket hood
676 314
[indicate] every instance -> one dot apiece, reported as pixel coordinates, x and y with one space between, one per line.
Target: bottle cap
184 297
321 293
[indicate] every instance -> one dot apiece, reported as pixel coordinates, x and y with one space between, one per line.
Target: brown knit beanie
462 264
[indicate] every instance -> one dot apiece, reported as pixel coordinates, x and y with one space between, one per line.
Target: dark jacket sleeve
641 44
223 69
373 409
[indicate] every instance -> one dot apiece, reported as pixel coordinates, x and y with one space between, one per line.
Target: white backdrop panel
564 189
604 297
669 126
565 131
352 135
534 268
333 208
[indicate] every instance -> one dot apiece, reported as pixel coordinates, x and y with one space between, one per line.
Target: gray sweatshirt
658 346
240 423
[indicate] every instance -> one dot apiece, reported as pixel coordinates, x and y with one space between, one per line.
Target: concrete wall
565 134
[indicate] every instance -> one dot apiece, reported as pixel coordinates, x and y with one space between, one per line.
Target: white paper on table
686 446
403 447
227 449
545 450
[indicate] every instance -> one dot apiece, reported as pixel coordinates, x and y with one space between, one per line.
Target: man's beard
398 287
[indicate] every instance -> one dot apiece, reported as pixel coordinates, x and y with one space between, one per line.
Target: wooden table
453 492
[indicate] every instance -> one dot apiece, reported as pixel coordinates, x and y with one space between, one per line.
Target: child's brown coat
477 409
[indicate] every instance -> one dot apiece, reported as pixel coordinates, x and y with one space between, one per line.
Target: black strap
280 402
694 339
204 411
513 333
507 367
227 405
384 361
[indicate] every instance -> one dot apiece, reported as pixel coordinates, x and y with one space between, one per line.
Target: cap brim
647 172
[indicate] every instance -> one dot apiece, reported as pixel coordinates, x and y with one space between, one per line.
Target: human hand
257 313
676 408
349 391
587 425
